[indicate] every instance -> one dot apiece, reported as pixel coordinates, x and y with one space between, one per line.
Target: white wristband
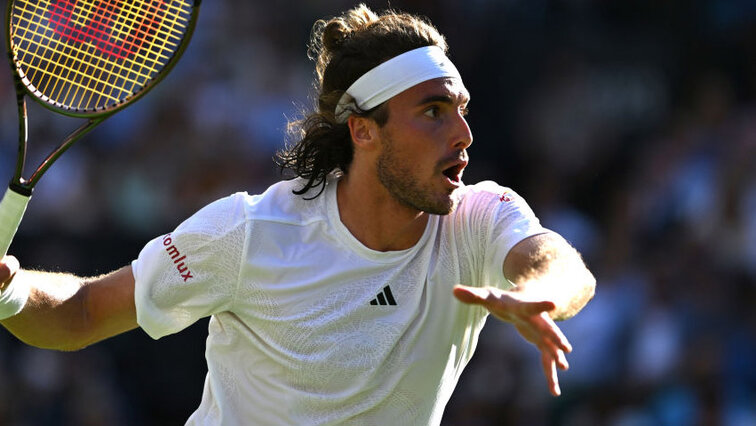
13 298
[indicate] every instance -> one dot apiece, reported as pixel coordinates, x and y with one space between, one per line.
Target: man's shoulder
486 191
279 203
488 199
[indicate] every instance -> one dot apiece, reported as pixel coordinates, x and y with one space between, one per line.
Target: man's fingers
562 361
483 296
535 308
474 295
531 319
559 339
550 370
8 267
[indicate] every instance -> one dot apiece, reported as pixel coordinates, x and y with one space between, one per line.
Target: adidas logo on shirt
384 298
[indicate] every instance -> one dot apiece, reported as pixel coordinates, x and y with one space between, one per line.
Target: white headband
393 77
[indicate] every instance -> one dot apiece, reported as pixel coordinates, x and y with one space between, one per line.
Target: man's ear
364 132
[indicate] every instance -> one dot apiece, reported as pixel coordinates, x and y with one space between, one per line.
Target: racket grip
12 209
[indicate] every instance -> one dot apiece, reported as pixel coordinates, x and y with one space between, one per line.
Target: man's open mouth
454 172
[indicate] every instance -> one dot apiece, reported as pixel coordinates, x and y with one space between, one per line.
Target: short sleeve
504 219
192 272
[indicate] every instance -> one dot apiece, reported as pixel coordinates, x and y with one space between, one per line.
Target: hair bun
339 29
335 33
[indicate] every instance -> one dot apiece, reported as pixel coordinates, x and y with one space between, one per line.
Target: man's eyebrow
445 99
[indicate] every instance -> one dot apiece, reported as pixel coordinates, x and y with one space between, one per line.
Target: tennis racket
86 59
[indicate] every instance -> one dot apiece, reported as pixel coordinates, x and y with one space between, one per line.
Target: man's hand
531 319
8 267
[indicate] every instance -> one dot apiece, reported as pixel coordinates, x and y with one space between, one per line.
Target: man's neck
376 218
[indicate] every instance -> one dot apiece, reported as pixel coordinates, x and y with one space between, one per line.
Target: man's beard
396 175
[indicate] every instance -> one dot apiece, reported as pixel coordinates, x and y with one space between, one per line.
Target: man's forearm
550 269
54 314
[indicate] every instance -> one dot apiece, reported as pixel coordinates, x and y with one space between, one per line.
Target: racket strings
71 65
92 55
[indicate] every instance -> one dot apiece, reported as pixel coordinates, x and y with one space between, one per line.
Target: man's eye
464 111
431 112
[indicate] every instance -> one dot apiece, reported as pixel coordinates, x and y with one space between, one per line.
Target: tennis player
355 292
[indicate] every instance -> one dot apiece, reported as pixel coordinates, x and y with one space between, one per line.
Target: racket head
89 58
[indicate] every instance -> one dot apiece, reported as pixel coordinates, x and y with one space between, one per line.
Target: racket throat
23 136
63 147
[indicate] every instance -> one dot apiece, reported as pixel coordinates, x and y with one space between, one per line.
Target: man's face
423 145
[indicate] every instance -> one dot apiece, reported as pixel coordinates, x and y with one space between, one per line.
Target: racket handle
12 209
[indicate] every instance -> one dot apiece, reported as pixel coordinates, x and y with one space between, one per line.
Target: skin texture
65 312
401 172
396 176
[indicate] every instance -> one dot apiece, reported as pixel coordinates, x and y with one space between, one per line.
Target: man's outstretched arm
66 312
552 283
547 267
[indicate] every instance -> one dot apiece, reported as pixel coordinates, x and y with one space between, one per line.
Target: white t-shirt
308 325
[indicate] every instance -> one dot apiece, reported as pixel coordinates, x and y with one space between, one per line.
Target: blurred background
628 125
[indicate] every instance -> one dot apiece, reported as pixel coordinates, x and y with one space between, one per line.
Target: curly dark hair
344 48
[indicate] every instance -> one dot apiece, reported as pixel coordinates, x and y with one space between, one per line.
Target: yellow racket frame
89 74
67 69
64 67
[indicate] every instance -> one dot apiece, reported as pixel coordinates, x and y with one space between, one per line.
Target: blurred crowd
629 126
